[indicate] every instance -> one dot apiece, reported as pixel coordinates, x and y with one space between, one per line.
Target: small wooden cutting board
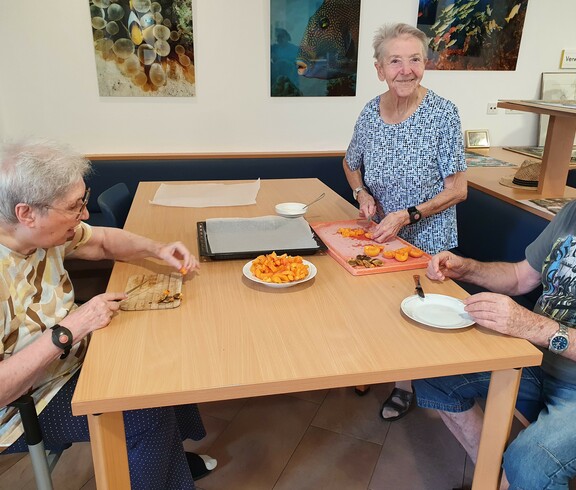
148 296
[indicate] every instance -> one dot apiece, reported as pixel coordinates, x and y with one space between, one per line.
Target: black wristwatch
62 338
415 215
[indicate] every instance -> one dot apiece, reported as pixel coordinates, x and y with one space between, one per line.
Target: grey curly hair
37 172
387 32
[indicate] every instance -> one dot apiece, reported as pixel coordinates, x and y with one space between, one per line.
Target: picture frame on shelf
477 138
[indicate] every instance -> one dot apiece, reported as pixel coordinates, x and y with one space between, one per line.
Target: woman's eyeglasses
78 209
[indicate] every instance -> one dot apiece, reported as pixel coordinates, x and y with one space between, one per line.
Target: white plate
311 273
437 310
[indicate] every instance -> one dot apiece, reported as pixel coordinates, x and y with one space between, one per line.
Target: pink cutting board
344 248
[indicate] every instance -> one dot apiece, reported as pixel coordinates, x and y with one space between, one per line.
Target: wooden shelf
558 144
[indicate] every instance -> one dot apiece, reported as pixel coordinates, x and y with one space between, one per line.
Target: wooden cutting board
344 248
154 286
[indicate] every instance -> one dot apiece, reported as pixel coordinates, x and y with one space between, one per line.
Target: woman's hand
178 256
93 315
389 227
367 205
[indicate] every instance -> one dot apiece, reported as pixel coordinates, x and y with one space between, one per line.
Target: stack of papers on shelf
550 205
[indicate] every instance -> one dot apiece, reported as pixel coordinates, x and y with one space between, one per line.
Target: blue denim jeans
543 456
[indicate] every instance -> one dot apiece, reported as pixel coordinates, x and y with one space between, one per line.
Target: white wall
48 83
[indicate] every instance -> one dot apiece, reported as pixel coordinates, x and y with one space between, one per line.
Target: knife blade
131 290
418 286
365 222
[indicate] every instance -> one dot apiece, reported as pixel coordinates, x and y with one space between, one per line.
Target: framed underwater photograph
313 47
143 48
472 34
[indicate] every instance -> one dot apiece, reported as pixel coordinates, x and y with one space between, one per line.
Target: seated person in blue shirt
544 454
408 142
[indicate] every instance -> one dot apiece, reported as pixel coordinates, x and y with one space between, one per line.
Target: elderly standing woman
44 334
405 163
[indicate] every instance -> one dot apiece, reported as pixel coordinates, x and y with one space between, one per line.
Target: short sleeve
451 156
81 237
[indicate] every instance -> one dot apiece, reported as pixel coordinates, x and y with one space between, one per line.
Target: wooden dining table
234 338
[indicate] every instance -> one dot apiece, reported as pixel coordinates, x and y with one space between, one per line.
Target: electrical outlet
492 108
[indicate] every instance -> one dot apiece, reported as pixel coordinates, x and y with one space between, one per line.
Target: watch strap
415 214
62 338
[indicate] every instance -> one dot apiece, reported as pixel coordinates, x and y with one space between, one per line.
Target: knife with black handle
418 286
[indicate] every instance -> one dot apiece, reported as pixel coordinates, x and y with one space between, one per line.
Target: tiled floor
329 439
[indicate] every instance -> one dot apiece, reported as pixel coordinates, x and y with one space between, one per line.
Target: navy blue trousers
154 439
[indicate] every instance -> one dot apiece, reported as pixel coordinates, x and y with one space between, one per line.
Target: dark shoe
399 400
200 466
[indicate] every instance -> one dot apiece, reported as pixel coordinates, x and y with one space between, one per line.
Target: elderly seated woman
45 334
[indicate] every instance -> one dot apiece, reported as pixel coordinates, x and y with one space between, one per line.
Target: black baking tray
206 253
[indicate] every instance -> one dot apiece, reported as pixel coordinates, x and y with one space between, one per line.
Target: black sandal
399 400
198 465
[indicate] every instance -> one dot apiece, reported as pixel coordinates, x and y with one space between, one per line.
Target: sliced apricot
371 250
415 252
401 256
388 254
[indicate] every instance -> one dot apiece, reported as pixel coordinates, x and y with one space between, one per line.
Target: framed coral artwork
143 48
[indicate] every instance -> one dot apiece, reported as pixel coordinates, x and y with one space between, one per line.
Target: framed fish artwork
472 34
143 48
313 47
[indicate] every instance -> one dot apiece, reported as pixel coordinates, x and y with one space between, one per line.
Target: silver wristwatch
560 341
357 190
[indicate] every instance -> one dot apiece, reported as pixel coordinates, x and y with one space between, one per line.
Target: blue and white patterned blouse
405 164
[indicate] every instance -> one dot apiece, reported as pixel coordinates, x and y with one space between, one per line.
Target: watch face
559 343
415 216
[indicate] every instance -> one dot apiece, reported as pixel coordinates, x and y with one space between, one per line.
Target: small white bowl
291 209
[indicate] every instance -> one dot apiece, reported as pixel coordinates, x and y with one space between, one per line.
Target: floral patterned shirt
35 294
405 164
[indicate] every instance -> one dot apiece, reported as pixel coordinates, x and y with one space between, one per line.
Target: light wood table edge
498 416
284 386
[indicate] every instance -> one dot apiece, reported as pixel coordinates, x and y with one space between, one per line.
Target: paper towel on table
206 195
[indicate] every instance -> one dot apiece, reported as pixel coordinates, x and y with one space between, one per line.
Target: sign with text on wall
568 58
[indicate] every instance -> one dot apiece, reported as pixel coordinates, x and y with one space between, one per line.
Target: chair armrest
32 432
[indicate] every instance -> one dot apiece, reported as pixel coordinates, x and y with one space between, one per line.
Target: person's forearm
454 192
19 372
354 177
123 245
499 277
